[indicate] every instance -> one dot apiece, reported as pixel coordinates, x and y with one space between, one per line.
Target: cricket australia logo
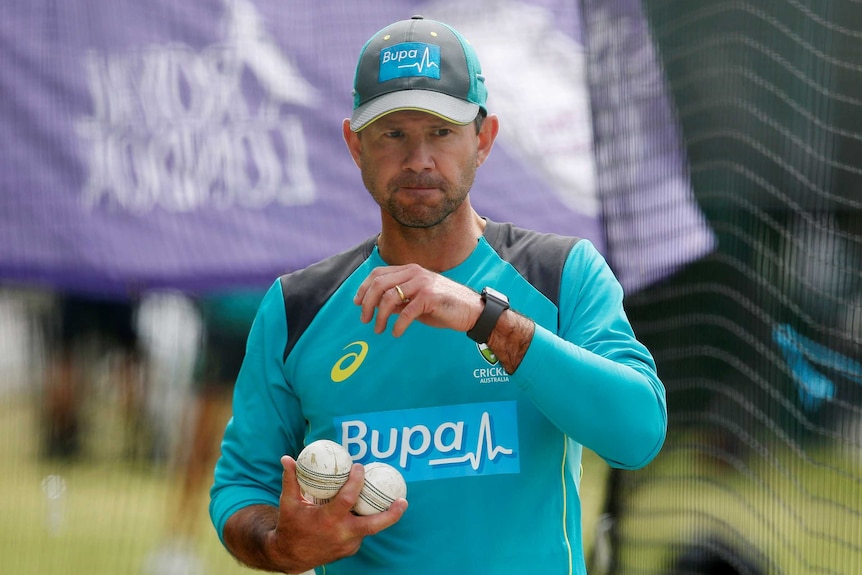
487 354
493 374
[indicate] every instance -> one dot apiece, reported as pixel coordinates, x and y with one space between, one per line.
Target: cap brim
451 109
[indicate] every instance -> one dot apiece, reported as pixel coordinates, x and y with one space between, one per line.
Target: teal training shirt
491 460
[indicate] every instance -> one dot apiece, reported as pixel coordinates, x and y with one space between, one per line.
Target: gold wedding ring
404 299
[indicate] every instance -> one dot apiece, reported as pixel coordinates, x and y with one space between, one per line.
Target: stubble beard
416 214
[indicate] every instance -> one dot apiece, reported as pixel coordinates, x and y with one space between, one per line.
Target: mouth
419 194
420 184
423 188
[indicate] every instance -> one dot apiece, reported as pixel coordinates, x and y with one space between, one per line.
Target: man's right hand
300 535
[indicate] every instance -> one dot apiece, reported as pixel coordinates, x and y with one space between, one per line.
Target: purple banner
188 145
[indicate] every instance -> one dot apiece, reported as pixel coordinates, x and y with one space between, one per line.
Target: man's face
417 167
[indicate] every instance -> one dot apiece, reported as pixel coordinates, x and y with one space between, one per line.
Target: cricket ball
321 469
383 485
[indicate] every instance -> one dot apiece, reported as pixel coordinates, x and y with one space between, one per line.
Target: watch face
490 292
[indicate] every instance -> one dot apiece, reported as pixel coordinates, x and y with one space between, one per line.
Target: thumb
289 484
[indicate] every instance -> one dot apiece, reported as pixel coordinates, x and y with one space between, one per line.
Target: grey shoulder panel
306 290
539 257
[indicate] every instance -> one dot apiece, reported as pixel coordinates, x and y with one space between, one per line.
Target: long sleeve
259 433
595 380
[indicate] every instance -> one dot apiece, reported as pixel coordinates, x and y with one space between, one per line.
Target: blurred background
163 163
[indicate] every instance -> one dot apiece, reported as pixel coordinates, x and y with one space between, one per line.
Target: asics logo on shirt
348 363
437 442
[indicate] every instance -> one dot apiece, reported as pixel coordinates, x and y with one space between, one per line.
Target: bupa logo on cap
409 59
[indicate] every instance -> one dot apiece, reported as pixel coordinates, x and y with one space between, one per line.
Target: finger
373 278
390 303
362 290
347 496
405 317
372 291
381 295
380 521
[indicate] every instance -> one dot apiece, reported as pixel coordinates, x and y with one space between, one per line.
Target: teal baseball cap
418 64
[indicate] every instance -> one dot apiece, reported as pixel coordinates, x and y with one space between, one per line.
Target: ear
353 141
487 135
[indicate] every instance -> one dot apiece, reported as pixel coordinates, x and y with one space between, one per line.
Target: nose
418 155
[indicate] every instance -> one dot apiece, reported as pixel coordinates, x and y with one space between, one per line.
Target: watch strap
494 308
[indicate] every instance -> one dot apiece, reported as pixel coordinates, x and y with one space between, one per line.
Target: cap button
417 17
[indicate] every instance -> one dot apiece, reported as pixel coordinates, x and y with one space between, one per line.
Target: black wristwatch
495 304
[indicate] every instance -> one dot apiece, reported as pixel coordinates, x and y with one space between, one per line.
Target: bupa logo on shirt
409 59
437 442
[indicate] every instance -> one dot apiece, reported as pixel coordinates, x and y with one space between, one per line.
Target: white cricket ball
321 469
383 485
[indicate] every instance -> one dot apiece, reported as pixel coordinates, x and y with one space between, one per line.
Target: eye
393 134
443 131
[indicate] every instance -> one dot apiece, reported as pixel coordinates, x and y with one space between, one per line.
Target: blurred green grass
113 510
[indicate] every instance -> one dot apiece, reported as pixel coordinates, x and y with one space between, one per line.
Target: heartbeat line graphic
484 441
423 63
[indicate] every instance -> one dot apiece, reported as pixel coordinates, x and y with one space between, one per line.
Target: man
107 325
226 317
368 348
